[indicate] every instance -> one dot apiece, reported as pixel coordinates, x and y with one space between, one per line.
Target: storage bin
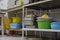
30 26
28 19
15 25
16 19
44 24
11 32
55 25
29 16
28 22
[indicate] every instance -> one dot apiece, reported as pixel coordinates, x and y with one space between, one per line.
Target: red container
11 32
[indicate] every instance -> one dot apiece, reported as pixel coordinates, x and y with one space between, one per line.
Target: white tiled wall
6 4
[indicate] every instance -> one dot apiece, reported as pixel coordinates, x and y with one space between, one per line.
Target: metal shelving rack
18 8
31 29
23 10
6 12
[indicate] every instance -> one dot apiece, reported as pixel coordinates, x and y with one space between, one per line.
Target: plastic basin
15 25
44 24
55 25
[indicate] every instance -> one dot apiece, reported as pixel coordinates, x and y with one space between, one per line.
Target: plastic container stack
16 23
44 22
29 21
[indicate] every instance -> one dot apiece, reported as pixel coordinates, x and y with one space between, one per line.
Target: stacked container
29 21
16 23
44 22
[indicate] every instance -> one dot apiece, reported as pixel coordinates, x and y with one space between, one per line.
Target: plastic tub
28 22
28 19
16 19
55 25
15 25
30 26
44 24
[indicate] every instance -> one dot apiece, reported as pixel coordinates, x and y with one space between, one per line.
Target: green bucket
44 24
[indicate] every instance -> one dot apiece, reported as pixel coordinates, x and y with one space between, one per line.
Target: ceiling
47 5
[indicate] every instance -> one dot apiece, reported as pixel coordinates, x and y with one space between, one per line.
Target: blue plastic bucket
55 25
15 25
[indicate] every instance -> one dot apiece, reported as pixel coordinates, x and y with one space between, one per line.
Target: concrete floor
16 38
10 38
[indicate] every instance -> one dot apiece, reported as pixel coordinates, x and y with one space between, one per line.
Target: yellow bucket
6 22
16 19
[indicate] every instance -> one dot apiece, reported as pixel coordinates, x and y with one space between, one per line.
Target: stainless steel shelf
11 9
37 3
34 29
20 7
47 4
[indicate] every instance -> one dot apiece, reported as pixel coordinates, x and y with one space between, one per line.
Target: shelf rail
46 30
37 3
